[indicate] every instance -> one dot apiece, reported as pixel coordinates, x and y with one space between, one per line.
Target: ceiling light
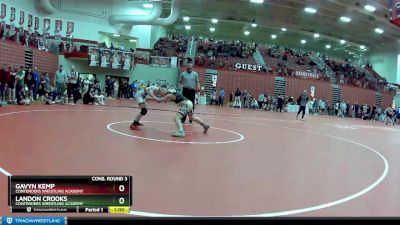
214 21
254 25
328 46
212 29
345 19
247 33
187 27
116 35
273 36
132 40
369 8
316 35
362 47
148 5
284 29
257 1
303 41
379 30
186 18
310 10
342 42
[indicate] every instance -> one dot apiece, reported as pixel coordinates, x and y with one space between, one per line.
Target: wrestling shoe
179 134
134 127
206 127
138 123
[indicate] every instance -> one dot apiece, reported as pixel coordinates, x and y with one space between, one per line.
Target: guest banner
30 20
12 18
105 57
21 17
93 56
36 23
116 59
3 11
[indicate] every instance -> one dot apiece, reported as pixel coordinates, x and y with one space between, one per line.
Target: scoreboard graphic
70 194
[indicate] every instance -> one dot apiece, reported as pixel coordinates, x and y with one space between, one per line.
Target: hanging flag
58 25
12 18
46 26
3 11
30 20
21 17
36 23
70 29
312 91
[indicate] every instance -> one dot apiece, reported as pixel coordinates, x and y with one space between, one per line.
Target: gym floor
252 163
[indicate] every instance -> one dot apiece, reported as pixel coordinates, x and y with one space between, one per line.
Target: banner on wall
30 20
128 61
58 25
21 17
105 57
214 80
251 67
174 62
116 59
46 26
36 23
70 29
306 74
312 91
3 11
12 17
94 56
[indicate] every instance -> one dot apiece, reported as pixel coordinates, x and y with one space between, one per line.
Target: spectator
36 79
109 86
88 97
213 97
19 89
3 83
116 89
261 99
279 103
30 83
42 85
221 97
73 86
60 81
237 103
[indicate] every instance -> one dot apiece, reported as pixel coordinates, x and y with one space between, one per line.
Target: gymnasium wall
258 82
13 54
82 66
140 71
386 64
150 73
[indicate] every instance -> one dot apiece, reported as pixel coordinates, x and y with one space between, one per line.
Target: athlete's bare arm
168 97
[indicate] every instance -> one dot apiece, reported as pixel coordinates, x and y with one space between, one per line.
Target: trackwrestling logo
33 220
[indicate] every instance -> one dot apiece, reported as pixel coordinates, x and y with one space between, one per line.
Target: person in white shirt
116 89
